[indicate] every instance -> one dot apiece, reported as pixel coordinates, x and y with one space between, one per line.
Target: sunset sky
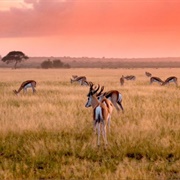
93 28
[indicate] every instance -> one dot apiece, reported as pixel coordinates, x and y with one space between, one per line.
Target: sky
91 28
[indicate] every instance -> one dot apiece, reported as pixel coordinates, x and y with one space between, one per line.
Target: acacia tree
14 56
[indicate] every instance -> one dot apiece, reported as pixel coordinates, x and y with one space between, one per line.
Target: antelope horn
102 88
95 90
90 88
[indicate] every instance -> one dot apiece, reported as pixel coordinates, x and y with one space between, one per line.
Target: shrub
46 64
54 64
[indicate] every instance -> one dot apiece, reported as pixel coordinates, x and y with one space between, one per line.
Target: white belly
28 86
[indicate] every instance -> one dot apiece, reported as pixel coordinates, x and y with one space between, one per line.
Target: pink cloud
43 19
90 17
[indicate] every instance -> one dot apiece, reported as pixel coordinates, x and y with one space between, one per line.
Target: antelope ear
102 88
90 83
90 88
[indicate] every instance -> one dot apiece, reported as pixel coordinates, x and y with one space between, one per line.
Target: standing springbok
101 113
148 74
122 80
101 98
25 85
79 79
156 79
171 79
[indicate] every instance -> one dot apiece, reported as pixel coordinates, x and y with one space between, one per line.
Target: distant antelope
122 80
171 79
79 79
114 96
25 85
131 77
156 79
148 74
101 113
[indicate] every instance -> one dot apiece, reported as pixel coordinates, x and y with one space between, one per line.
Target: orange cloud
90 17
101 27
45 18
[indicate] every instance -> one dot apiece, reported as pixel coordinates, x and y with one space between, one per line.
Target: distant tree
57 63
47 64
54 64
67 66
14 56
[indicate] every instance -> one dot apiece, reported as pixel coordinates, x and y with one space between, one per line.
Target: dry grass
49 135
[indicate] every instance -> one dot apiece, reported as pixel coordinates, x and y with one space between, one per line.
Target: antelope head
15 92
92 91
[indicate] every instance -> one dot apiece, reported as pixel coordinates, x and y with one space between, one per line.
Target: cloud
30 1
59 17
44 18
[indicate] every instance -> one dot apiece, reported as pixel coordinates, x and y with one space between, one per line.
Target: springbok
114 96
148 74
171 79
25 85
156 79
131 77
80 79
101 113
122 80
101 98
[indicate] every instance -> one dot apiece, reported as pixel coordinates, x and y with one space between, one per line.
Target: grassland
49 135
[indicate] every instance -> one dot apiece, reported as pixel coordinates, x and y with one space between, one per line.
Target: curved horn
95 90
102 88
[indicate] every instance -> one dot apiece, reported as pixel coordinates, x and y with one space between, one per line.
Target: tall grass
49 135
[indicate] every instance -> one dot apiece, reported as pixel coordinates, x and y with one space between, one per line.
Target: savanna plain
49 135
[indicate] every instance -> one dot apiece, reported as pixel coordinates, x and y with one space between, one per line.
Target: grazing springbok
122 80
114 96
156 79
101 113
25 85
171 79
79 79
148 74
131 77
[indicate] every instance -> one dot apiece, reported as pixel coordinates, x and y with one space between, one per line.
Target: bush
57 63
46 64
54 64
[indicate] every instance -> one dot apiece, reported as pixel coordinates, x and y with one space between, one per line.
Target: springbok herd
101 102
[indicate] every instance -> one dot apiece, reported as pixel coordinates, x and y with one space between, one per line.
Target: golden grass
49 135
